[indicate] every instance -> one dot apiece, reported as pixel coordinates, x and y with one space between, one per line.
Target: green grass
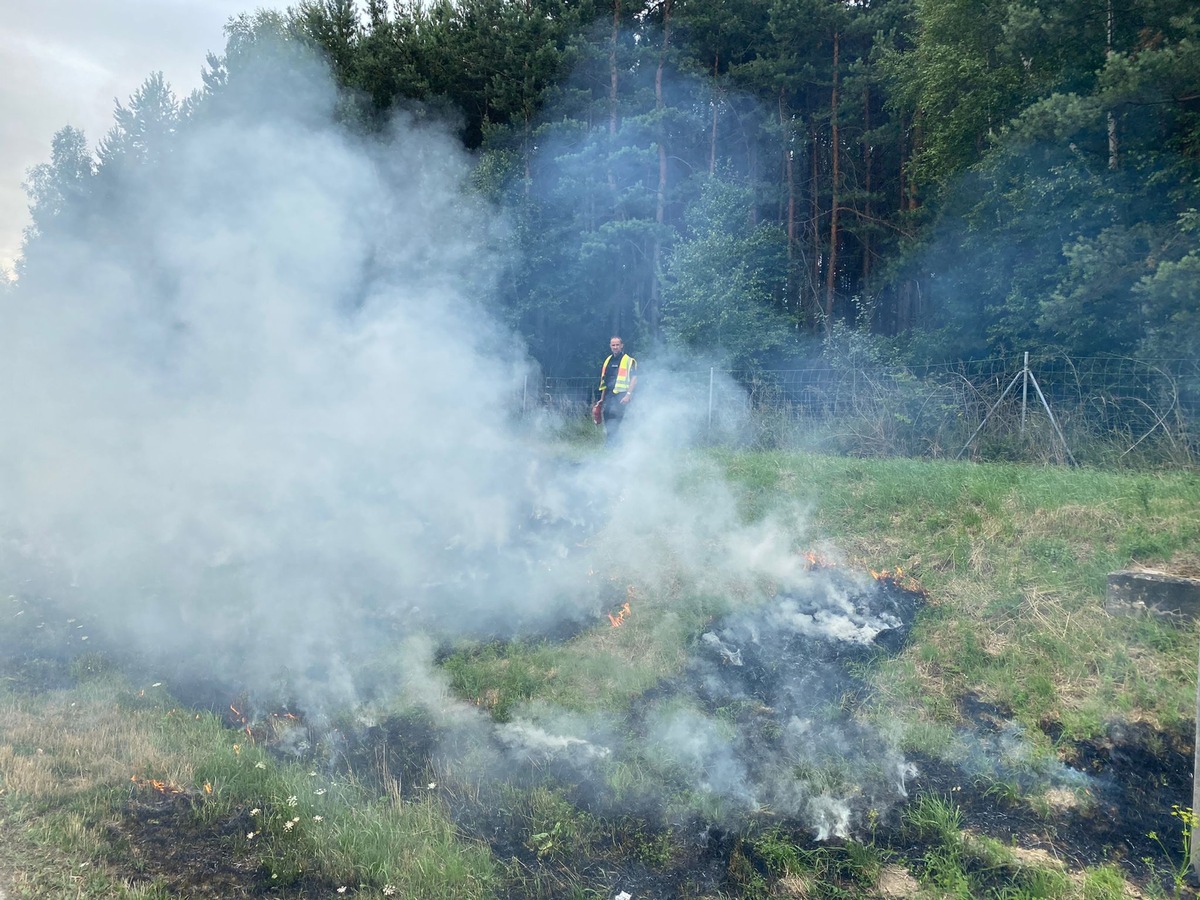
603 668
1013 559
91 744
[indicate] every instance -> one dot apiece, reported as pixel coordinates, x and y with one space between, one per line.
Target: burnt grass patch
1119 790
765 707
161 839
792 665
783 684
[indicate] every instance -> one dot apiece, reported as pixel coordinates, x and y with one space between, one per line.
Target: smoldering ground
259 437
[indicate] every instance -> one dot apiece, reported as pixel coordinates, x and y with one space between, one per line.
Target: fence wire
1094 409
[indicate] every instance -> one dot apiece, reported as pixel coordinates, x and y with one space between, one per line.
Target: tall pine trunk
831 271
789 173
868 165
613 80
660 200
613 85
814 266
1114 160
716 102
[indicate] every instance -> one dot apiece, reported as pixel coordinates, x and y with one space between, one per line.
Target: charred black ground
781 680
1127 784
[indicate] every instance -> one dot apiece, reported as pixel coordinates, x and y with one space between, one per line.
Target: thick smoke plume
260 424
264 401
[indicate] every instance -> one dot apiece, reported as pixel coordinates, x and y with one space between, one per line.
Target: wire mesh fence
1099 409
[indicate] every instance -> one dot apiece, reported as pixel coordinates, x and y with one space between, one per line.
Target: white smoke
281 409
259 424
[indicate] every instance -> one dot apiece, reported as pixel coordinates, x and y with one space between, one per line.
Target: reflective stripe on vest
621 385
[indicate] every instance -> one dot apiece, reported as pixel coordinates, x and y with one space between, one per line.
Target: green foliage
1104 883
960 53
1179 865
934 818
724 293
1009 174
1075 196
497 677
141 132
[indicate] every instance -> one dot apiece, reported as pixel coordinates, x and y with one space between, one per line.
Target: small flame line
900 578
163 787
620 616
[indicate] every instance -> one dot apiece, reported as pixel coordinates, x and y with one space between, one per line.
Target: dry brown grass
895 882
58 752
53 746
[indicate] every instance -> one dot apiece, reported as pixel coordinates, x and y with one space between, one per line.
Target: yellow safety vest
622 383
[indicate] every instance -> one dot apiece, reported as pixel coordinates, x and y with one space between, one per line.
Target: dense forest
747 179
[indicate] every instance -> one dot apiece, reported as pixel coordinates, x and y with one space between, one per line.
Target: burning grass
1008 739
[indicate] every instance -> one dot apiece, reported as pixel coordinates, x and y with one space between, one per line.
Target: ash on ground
768 719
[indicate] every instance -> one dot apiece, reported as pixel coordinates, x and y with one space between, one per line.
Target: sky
67 63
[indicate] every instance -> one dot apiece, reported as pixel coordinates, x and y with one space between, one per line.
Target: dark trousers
614 415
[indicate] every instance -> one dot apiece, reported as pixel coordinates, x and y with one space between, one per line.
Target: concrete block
1153 593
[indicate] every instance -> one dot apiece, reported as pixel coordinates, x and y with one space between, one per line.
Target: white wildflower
293 800
255 811
318 818
260 765
289 825
319 791
251 835
342 890
388 890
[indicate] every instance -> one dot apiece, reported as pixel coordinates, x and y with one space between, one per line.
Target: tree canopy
957 178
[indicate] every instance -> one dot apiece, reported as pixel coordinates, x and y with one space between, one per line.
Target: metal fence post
1024 391
1131 397
1194 856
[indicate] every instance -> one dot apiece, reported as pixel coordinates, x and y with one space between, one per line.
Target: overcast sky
66 62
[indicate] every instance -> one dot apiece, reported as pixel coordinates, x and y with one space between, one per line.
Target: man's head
616 345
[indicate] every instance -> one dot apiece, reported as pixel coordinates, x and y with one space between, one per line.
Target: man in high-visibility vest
618 378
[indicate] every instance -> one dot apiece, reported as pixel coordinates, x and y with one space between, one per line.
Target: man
618 378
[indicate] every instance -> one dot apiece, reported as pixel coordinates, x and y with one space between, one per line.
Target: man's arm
603 373
632 383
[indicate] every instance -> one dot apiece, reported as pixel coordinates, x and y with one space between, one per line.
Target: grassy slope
1014 559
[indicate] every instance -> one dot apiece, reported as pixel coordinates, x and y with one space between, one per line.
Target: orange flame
900 578
620 616
163 787
816 560
897 576
240 719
